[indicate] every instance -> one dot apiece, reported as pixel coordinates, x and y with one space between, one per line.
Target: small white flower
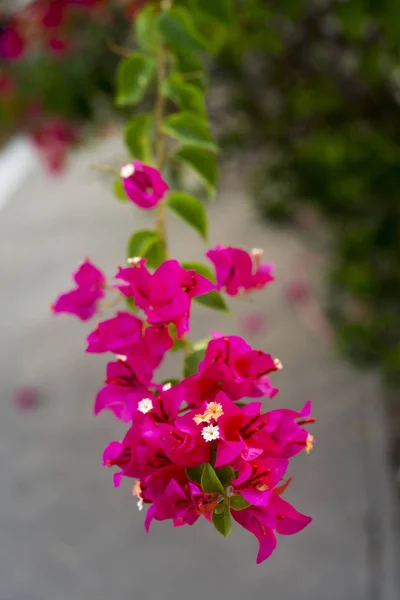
121 357
140 504
210 433
166 386
278 364
127 171
145 405
134 261
257 252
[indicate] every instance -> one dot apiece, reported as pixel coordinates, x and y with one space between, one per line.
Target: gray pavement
65 533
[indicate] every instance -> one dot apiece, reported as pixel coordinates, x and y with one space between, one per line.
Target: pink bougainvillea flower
53 139
12 44
183 443
287 437
237 270
297 290
88 275
59 46
184 504
83 300
140 454
278 515
257 478
52 13
253 323
261 523
156 342
165 296
125 386
143 184
232 366
116 335
245 434
27 398
288 520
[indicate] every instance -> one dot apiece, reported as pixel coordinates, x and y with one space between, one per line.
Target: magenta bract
238 271
83 300
143 184
165 296
12 44
232 366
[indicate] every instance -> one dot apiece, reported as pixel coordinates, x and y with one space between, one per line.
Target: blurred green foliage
316 87
76 85
317 83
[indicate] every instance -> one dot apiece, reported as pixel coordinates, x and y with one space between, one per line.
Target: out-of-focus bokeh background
305 103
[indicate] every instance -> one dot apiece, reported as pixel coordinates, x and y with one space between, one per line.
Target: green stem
161 147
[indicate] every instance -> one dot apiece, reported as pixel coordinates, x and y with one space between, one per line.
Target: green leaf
200 269
133 77
137 137
195 473
188 128
219 509
139 240
146 29
210 482
190 210
191 362
191 69
223 521
220 10
177 28
147 244
185 95
202 162
212 300
239 503
225 475
119 191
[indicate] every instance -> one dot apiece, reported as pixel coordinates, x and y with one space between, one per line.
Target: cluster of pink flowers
51 28
194 447
44 24
40 23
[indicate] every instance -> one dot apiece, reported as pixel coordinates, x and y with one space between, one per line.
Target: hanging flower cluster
200 446
193 448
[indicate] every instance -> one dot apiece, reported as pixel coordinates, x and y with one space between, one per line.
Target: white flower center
121 357
210 433
257 252
166 386
145 405
127 171
134 261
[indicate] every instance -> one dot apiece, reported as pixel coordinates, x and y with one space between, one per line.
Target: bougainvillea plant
201 446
